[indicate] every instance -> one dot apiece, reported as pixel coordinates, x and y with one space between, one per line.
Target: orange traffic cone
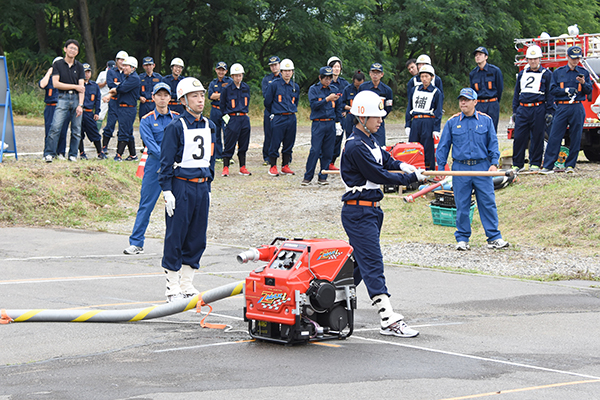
140 171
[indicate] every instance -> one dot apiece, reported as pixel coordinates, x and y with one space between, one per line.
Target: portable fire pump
554 54
304 293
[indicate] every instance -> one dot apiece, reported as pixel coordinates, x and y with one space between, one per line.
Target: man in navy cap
274 66
214 94
383 90
148 80
474 144
152 127
91 111
487 80
570 85
325 107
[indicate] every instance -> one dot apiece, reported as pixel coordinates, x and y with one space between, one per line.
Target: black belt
470 162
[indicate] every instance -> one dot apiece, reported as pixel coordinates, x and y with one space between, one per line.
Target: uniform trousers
111 120
268 135
126 116
148 196
237 131
146 107
421 130
321 148
530 124
573 116
283 128
89 127
491 108
216 116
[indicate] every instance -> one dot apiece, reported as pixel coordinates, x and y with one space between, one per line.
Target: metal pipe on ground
139 314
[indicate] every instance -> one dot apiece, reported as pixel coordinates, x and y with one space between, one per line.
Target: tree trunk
86 31
40 27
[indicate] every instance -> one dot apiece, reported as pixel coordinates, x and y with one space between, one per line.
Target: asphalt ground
481 336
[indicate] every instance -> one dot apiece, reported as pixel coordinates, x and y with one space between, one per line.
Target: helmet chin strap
363 125
190 109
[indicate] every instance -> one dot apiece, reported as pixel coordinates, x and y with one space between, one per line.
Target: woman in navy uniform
91 114
336 66
187 168
173 80
363 168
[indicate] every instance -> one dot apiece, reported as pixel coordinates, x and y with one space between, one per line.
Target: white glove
338 129
407 131
271 117
437 135
169 202
406 167
419 174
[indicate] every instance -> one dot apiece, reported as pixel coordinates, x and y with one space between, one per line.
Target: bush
28 102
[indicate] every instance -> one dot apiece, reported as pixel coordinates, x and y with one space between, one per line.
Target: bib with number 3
197 146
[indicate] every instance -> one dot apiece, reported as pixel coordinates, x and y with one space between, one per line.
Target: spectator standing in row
68 78
214 95
148 80
101 81
173 80
348 97
487 81
91 111
51 99
114 77
384 91
274 65
422 60
336 66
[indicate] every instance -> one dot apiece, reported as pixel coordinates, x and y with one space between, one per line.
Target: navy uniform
384 91
281 102
341 84
424 117
216 116
128 93
91 111
148 82
114 76
348 95
173 81
474 148
488 82
152 128
363 168
267 117
234 102
568 94
532 106
51 99
323 115
187 168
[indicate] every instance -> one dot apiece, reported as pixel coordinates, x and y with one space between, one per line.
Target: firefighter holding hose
363 168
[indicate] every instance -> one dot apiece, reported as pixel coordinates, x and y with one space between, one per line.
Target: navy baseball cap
148 60
376 67
274 60
481 49
160 86
87 67
111 64
221 64
326 71
575 52
468 93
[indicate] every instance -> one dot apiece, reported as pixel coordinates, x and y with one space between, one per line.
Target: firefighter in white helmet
173 80
235 99
533 107
364 167
114 76
336 66
422 60
187 168
424 114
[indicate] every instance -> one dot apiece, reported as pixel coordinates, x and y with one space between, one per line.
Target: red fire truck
554 50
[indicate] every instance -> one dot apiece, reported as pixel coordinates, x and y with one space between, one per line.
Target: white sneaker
48 158
72 158
133 250
463 246
174 297
399 329
497 244
61 157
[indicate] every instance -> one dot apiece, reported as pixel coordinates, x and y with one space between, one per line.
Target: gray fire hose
138 314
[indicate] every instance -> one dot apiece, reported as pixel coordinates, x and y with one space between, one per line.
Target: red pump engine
306 292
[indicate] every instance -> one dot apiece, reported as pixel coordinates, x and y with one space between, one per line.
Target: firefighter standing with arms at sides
281 101
214 95
148 80
274 65
363 168
347 98
152 128
336 66
533 106
570 85
474 144
91 111
187 168
487 81
424 114
383 90
114 76
173 80
235 99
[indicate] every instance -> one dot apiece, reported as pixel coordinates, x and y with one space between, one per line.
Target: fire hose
138 314
444 173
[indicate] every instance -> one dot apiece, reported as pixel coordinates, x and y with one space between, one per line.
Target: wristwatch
81 105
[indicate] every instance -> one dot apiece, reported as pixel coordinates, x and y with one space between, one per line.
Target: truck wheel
592 153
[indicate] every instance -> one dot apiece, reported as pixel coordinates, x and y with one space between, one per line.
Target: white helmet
56 59
427 68
368 104
131 61
423 59
332 59
287 65
534 52
122 54
236 69
177 61
189 85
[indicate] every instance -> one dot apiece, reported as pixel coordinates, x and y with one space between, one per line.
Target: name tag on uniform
422 101
155 80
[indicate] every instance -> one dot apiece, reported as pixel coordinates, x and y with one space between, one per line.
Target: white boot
187 281
173 291
392 323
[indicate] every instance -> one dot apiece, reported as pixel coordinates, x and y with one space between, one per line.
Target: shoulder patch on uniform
484 114
149 114
175 112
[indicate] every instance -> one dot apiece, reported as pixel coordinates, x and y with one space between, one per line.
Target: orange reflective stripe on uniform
49 92
279 98
489 84
477 87
232 103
